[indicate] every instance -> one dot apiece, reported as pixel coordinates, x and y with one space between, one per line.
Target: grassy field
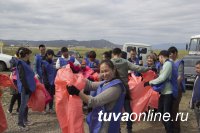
82 51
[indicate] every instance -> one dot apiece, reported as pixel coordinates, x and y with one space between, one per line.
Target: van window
129 48
142 50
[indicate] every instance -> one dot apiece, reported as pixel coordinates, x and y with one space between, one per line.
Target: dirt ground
48 123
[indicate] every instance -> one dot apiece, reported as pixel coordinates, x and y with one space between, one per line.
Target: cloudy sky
119 21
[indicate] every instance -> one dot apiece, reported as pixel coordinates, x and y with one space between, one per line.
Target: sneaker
28 123
23 128
9 112
44 112
51 111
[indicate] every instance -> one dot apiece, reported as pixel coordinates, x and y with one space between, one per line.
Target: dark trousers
14 98
23 110
51 90
165 106
175 110
127 108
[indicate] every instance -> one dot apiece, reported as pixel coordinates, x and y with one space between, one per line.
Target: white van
143 49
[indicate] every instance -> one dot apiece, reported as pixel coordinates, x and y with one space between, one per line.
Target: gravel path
48 123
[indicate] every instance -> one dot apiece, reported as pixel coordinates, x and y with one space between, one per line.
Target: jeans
165 106
23 110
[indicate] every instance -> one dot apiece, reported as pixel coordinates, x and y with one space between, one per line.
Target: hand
146 84
154 69
37 76
72 90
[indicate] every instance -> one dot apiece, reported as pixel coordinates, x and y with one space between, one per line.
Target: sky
118 21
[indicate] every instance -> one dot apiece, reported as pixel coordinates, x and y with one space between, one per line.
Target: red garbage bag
149 75
142 97
95 76
5 81
69 108
3 122
87 71
39 98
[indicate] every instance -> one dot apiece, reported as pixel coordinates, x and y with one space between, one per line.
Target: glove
154 69
146 84
72 90
197 104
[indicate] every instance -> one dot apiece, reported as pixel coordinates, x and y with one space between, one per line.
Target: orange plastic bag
69 108
5 81
142 97
39 98
3 122
153 101
87 72
149 75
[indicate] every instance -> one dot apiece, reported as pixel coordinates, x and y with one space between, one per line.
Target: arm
22 77
137 68
58 64
35 66
180 74
92 86
107 96
167 70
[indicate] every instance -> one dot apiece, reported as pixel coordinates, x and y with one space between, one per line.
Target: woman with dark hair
109 97
25 84
48 75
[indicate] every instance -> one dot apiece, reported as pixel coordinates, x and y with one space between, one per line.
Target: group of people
111 93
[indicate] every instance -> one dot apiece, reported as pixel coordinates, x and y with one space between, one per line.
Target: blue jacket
49 71
29 76
38 67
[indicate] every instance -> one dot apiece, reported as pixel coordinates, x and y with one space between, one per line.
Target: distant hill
60 43
165 46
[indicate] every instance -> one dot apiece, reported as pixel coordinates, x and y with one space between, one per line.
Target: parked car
190 60
4 61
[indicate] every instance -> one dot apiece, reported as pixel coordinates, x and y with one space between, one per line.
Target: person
107 55
48 75
65 59
92 62
122 66
173 54
15 94
166 85
151 60
109 98
37 62
195 100
26 85
133 57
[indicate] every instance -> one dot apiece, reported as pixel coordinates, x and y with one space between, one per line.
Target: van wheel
2 66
